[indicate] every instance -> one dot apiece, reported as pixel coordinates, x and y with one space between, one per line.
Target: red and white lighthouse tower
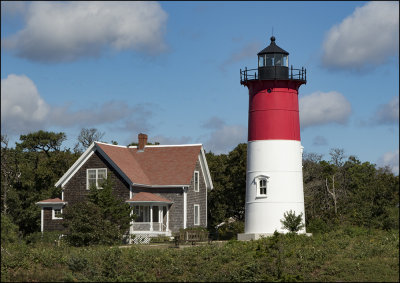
274 180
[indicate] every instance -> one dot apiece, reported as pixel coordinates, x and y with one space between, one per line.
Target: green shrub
229 231
159 239
292 222
9 231
77 263
44 238
318 225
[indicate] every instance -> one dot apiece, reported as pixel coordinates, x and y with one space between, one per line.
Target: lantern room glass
266 60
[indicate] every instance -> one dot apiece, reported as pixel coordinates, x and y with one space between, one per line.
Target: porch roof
52 201
144 197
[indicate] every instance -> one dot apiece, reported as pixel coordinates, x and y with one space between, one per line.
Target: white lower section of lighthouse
279 163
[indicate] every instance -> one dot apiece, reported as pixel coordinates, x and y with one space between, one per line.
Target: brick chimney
142 138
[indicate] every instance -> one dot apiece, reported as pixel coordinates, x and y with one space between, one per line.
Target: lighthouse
274 177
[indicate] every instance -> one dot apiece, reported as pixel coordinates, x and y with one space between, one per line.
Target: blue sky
171 70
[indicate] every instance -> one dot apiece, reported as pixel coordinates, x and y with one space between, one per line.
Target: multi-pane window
196 181
96 177
57 213
263 187
196 214
261 183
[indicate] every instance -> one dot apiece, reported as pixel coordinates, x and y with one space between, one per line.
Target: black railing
294 74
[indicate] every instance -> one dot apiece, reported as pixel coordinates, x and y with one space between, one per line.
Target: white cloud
366 38
24 110
22 107
223 138
66 31
388 113
390 159
321 108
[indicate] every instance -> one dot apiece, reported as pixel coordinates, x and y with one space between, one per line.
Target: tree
102 219
36 163
228 173
42 141
292 222
87 137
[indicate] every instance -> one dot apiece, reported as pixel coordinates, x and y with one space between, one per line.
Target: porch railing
146 226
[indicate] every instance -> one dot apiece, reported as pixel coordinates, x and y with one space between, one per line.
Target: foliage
9 231
228 173
349 253
230 230
103 219
46 238
32 169
291 222
87 137
42 141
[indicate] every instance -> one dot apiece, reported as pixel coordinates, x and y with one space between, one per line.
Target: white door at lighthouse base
279 164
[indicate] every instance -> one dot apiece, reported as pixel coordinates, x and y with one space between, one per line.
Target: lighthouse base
256 236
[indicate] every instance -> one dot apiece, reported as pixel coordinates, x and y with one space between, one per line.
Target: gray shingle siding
199 198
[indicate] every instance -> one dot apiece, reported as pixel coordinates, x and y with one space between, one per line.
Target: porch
152 216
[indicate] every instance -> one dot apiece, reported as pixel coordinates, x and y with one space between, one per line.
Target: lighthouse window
261 183
263 187
269 61
261 61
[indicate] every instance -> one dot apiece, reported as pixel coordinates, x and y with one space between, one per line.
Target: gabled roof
155 166
148 197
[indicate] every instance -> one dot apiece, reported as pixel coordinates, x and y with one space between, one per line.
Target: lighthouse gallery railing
252 74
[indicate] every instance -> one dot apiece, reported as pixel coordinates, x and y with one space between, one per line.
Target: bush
229 231
9 231
318 226
292 222
45 238
159 239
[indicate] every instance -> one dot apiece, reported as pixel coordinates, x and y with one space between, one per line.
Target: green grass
346 254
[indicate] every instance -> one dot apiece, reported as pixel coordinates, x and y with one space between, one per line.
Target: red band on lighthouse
274 112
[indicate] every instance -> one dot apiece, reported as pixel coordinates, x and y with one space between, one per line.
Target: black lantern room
273 62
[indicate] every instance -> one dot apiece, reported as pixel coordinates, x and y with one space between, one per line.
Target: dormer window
96 177
261 182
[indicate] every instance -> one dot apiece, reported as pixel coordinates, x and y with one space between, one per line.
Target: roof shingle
156 165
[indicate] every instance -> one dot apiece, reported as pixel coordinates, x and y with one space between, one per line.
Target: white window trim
97 177
53 215
196 186
198 215
257 180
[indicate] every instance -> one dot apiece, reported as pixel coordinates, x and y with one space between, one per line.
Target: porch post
167 222
131 227
160 218
151 217
184 207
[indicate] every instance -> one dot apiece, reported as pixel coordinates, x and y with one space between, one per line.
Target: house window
96 177
196 181
261 185
196 214
56 213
